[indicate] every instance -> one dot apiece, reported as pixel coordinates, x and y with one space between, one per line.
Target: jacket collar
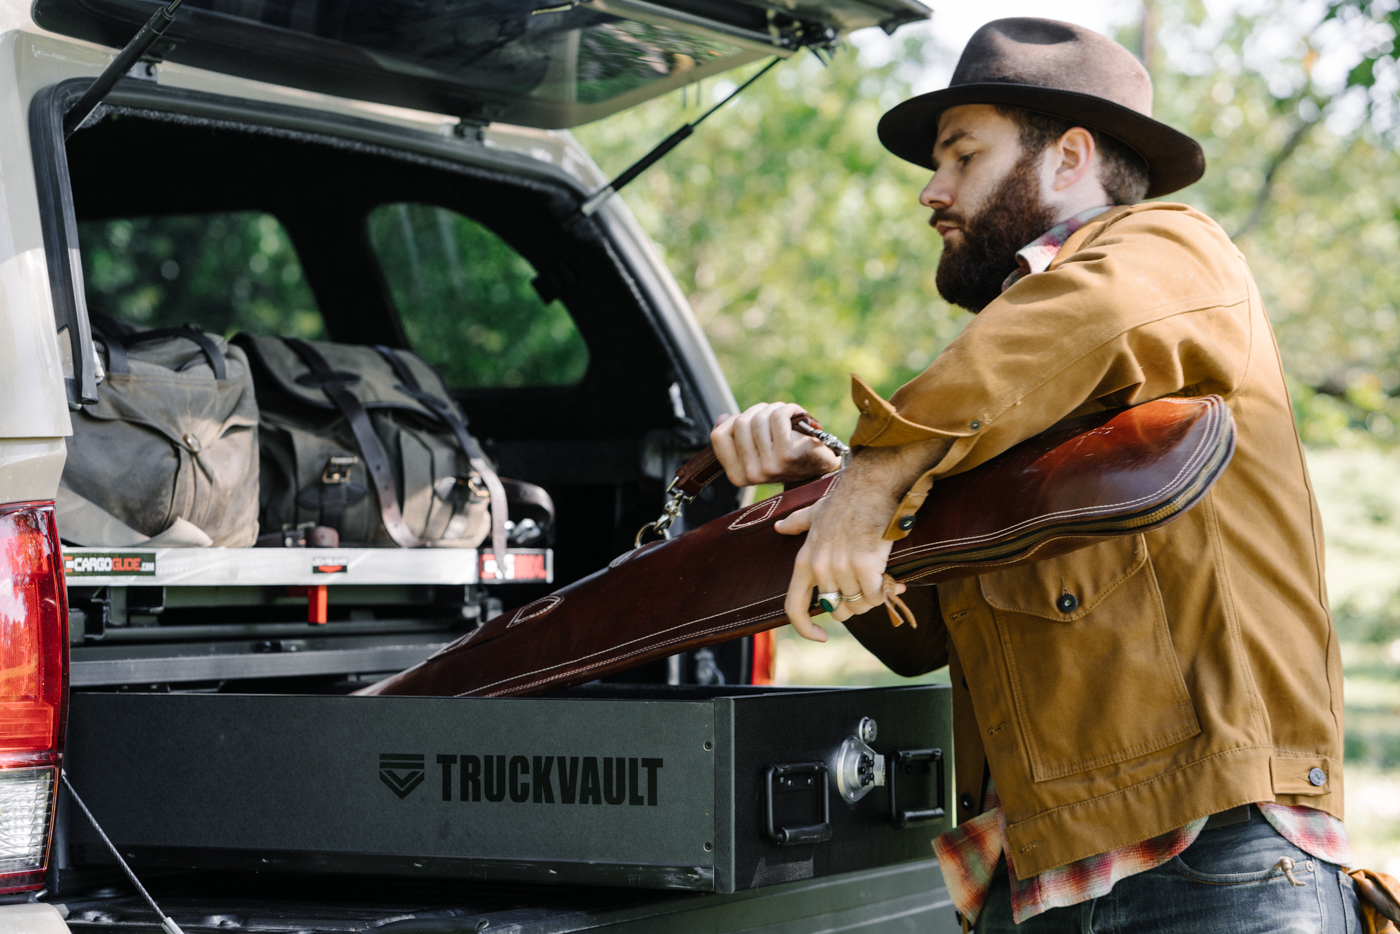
1037 255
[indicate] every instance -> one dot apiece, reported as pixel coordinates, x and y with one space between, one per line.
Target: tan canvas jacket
1199 669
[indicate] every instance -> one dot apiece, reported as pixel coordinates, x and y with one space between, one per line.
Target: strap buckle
806 427
661 527
338 470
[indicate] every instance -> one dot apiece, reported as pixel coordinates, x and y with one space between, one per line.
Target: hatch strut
139 45
665 146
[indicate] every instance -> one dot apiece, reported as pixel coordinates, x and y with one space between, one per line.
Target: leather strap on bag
475 456
371 448
704 468
117 345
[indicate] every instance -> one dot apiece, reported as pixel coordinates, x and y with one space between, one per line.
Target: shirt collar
1037 255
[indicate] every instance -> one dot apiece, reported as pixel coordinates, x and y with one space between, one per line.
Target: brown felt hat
1058 69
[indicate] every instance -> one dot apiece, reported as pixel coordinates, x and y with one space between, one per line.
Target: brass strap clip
338 470
675 505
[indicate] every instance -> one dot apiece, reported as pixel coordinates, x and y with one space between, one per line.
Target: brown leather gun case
1084 480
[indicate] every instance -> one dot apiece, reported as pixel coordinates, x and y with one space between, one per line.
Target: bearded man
1148 732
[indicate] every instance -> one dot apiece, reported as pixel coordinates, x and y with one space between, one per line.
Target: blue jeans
1224 883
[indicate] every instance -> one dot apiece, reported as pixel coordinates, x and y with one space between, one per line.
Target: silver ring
853 597
829 600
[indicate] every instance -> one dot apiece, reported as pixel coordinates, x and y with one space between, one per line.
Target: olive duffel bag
368 441
169 454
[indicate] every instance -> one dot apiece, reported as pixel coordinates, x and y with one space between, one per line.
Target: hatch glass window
225 272
508 54
468 304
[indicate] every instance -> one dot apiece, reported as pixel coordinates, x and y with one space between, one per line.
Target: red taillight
33 689
765 657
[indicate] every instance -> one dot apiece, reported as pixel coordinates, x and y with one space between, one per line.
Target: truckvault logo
536 779
402 772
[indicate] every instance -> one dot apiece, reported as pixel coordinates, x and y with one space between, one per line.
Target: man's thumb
797 523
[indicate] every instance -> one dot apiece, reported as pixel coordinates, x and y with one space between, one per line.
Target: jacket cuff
880 424
902 522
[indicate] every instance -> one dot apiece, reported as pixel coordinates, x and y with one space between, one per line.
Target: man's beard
970 275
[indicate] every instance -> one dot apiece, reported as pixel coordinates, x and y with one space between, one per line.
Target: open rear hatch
549 64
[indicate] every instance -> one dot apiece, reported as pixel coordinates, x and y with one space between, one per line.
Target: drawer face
530 781
665 790
809 727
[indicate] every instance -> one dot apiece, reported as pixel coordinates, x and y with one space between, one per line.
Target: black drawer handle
793 778
904 760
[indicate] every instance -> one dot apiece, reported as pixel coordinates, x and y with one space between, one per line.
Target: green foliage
798 238
224 272
1378 54
1311 203
467 302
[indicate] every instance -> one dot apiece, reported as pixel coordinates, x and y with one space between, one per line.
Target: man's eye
964 160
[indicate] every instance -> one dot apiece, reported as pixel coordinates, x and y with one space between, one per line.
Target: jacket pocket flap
1069 586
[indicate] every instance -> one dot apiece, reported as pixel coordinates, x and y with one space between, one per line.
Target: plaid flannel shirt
969 853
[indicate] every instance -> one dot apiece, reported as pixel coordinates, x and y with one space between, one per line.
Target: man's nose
936 194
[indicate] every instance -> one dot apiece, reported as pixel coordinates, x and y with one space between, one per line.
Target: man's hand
760 446
846 549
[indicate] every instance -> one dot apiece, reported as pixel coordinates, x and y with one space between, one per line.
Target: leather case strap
475 456
371 448
704 468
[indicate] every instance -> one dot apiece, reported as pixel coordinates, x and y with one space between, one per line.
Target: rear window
467 303
225 272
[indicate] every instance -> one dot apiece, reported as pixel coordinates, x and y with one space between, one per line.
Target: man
1148 731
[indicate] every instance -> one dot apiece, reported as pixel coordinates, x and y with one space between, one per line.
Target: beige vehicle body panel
31 919
34 416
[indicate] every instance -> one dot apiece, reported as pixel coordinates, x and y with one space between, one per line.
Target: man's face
988 201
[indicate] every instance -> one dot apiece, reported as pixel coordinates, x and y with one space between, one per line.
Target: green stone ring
830 600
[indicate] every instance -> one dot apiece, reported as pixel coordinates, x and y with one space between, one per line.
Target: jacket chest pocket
1090 658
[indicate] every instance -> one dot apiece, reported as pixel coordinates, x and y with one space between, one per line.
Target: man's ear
1075 152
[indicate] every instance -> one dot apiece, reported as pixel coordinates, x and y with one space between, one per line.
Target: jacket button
1317 777
975 425
966 802
1067 603
906 523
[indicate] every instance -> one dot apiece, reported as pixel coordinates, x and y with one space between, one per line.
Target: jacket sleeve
1152 303
907 650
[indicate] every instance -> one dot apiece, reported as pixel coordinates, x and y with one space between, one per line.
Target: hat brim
1174 160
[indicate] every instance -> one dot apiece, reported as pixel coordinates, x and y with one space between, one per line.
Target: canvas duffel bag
369 441
169 454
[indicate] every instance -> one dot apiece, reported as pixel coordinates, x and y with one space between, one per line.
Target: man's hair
1122 172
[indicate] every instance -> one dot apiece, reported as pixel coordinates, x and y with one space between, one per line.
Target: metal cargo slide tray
705 789
232 567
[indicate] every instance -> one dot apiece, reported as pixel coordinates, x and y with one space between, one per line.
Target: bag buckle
338 470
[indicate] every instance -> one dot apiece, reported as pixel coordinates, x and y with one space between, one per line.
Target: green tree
226 272
797 236
1305 178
